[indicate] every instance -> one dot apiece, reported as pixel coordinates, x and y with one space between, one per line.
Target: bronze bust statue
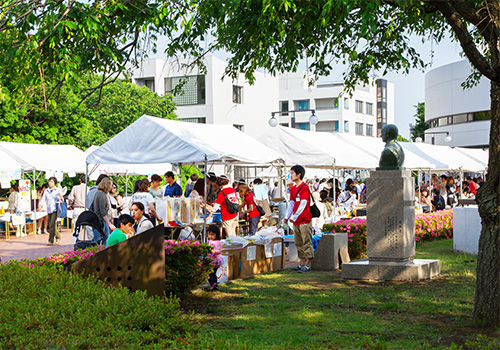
392 157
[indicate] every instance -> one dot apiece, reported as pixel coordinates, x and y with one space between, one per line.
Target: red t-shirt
250 200
473 187
299 193
232 196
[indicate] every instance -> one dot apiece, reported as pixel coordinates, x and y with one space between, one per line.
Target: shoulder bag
315 212
233 208
261 210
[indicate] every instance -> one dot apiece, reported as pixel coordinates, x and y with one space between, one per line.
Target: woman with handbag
252 209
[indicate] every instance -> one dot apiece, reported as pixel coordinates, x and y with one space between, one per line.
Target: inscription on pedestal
393 231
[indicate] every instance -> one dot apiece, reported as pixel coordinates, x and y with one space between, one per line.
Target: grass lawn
289 310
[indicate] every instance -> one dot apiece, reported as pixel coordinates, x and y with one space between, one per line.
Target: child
213 232
125 226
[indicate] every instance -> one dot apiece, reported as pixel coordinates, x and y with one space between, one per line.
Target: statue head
389 132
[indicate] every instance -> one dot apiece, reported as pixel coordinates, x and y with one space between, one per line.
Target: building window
239 127
302 105
200 120
188 90
369 108
284 107
336 103
369 130
335 126
149 83
237 94
359 106
346 126
303 126
359 129
284 124
346 103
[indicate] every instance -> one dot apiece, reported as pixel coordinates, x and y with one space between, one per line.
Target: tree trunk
487 299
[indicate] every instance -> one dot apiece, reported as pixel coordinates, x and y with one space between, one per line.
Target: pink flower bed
428 227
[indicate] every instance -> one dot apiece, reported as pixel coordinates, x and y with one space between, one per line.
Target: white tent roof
478 155
311 173
156 140
49 158
443 157
315 149
8 162
124 169
374 146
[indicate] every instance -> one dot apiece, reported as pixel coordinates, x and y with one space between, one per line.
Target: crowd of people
444 191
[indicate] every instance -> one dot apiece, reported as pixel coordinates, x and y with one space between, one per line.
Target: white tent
311 173
315 149
374 146
444 157
9 163
156 140
47 158
478 155
126 169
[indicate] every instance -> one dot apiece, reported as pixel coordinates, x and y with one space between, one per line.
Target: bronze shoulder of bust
392 157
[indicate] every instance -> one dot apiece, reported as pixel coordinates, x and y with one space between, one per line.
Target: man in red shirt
299 214
472 185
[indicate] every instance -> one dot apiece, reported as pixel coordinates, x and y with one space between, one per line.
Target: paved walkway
32 247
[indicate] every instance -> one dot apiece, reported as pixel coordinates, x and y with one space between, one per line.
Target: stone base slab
419 269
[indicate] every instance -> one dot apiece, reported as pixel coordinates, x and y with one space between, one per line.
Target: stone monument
391 222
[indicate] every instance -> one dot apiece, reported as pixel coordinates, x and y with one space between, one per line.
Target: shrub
434 226
428 227
187 265
356 235
42 308
62 260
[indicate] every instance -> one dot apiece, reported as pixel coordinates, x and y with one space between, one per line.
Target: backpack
233 208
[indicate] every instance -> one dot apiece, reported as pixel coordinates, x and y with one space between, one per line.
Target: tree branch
475 16
466 41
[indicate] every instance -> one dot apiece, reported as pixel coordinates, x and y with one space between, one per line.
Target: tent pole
334 192
86 183
126 184
34 205
205 202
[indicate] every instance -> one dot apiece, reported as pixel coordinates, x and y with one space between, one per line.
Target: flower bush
434 226
356 235
187 265
62 260
428 227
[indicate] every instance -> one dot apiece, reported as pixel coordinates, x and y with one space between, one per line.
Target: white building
206 98
365 113
464 115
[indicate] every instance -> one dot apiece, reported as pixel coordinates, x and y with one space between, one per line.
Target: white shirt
346 199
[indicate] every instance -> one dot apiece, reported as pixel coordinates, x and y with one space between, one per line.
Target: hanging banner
24 193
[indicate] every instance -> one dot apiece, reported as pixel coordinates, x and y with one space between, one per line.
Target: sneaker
305 269
50 244
39 231
45 232
296 268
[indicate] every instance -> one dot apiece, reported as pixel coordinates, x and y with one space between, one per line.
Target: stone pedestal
391 232
326 257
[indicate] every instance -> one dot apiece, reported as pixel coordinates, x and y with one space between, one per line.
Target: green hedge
187 264
42 308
